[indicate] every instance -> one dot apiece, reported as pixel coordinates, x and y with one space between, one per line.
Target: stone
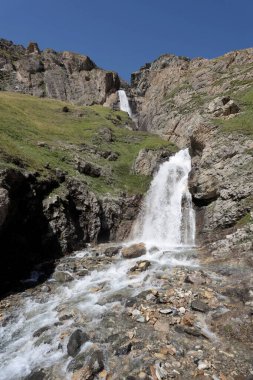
199 306
112 251
96 362
89 169
123 350
76 340
140 266
61 276
134 251
38 332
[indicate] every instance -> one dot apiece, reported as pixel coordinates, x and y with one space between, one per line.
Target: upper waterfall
167 218
124 103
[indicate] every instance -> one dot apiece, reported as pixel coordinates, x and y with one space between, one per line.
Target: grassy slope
243 122
26 121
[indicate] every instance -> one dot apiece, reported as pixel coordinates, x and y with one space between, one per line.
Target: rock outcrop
37 226
65 76
205 105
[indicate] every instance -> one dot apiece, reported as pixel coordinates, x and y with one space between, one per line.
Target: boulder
134 251
223 106
89 169
77 338
61 276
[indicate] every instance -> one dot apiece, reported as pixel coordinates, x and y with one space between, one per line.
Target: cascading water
167 218
124 103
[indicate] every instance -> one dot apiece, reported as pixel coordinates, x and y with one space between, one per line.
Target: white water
124 103
167 222
167 218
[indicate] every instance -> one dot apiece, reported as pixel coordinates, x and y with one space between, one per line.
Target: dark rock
199 306
36 375
124 350
112 251
188 330
38 332
89 169
65 109
77 338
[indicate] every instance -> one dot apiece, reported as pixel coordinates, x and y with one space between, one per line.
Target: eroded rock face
175 95
37 227
65 76
181 99
148 161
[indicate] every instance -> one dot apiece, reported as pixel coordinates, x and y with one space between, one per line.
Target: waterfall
124 103
167 218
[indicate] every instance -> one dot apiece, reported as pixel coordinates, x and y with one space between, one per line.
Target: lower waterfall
37 324
167 218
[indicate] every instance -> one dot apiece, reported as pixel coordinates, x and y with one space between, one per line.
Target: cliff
64 76
207 106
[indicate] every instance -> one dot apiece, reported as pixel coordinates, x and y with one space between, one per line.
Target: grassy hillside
36 135
243 122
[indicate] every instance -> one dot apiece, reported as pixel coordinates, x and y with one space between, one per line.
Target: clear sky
123 35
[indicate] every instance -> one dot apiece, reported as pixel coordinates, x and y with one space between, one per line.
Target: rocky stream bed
102 315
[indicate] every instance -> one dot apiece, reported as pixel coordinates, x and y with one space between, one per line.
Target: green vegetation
245 220
36 135
243 122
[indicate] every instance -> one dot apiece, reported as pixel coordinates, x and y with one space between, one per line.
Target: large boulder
134 251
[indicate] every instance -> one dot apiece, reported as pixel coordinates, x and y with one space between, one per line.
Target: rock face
37 227
65 76
175 95
193 103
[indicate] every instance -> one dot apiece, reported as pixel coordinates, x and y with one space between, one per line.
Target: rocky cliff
207 106
65 76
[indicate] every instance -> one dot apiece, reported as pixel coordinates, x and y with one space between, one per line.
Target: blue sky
123 35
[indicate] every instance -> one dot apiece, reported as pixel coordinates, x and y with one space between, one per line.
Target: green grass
245 220
243 122
27 122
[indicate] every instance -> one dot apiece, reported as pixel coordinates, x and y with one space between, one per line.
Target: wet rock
140 266
77 338
96 362
38 332
124 350
134 251
78 362
82 272
112 251
61 276
199 306
36 375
